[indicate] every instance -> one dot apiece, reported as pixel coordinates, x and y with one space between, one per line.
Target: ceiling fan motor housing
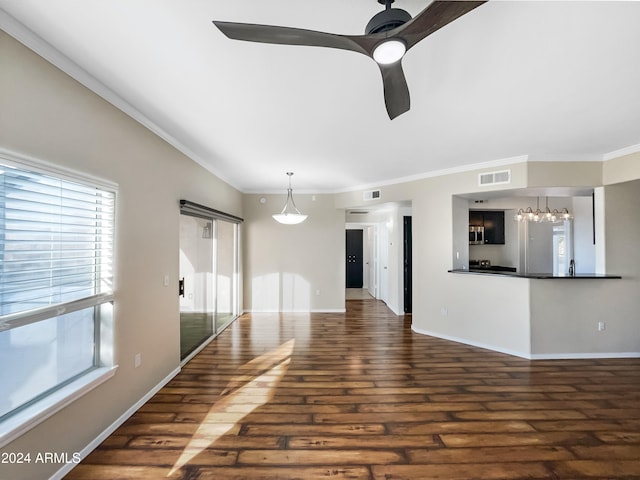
387 20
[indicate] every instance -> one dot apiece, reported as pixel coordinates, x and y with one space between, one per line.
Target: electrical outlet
444 311
165 281
137 360
602 326
317 292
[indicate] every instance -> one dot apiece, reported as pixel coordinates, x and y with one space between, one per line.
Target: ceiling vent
494 178
371 195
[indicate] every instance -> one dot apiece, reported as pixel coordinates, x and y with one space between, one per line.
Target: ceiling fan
388 36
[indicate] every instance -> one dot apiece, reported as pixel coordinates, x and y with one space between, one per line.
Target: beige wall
564 174
567 312
294 267
459 307
47 115
520 316
621 169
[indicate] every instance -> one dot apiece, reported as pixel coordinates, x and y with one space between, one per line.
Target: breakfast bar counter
495 273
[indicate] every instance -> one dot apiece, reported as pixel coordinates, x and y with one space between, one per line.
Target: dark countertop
494 273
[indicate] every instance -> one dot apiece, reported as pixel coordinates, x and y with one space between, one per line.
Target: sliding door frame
215 216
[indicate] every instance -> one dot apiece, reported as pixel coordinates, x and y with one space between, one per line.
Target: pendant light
290 215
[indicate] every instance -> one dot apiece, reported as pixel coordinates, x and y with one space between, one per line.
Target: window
56 249
562 247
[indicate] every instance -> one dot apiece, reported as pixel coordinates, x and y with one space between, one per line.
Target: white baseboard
530 356
112 428
324 310
585 356
465 341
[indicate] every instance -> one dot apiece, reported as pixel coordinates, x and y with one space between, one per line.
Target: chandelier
546 215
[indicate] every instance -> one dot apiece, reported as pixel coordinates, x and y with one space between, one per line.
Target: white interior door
383 263
371 262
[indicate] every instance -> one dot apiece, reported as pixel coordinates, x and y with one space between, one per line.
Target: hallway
360 396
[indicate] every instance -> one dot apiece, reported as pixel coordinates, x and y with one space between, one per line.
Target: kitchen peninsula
534 275
518 297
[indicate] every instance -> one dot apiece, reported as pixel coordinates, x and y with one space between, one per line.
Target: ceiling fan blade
396 91
294 36
437 15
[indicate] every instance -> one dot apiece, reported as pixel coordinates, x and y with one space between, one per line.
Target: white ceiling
547 80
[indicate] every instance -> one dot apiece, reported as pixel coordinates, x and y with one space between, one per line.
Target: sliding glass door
226 273
208 279
197 283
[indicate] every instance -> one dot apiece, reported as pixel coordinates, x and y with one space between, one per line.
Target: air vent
371 195
494 178
358 212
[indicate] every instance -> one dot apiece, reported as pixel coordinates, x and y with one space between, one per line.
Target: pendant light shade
290 215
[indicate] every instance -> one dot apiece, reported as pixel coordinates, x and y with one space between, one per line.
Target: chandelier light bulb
520 215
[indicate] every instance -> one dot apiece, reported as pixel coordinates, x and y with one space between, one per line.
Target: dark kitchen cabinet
494 227
493 223
476 218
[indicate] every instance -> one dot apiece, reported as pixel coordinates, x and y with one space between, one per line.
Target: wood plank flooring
359 396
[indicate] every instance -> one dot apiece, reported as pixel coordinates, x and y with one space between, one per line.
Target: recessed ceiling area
548 80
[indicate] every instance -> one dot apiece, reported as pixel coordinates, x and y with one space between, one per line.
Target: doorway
387 254
196 283
407 270
354 265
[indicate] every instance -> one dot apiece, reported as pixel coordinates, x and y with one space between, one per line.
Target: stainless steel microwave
476 235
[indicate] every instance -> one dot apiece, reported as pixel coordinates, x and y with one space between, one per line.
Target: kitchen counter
494 273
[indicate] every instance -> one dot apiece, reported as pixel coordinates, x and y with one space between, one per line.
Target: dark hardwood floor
359 396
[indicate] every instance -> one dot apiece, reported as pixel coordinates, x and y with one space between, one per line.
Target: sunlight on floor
253 386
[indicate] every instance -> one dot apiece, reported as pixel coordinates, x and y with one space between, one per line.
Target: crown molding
51 54
621 152
440 173
565 158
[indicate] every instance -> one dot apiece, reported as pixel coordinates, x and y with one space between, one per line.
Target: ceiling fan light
389 52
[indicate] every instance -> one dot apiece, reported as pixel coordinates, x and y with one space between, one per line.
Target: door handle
181 287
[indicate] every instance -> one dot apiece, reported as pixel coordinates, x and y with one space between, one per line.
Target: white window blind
56 241
56 292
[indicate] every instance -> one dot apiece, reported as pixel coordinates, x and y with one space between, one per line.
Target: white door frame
370 248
